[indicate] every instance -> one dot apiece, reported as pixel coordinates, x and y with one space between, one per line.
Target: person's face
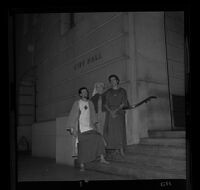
113 81
84 93
99 89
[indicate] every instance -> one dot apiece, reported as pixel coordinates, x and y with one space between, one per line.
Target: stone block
64 143
44 139
149 35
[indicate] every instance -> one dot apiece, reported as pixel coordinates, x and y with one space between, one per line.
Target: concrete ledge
64 142
44 139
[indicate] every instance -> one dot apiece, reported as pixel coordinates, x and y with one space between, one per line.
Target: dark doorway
178 107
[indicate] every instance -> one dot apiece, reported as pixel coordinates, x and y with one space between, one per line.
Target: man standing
82 121
115 129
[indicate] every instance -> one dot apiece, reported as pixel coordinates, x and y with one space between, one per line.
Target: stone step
135 171
166 134
166 163
160 151
175 142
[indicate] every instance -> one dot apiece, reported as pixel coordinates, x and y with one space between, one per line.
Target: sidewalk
45 169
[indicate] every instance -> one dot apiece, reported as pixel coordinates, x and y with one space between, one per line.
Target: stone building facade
57 53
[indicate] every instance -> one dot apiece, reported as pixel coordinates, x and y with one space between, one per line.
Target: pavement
43 173
31 168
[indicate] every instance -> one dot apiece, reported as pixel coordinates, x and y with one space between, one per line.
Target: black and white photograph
99 96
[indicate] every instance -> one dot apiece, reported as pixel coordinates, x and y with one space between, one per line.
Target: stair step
144 160
152 150
175 142
166 134
136 171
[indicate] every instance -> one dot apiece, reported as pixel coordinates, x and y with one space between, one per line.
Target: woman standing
115 128
98 99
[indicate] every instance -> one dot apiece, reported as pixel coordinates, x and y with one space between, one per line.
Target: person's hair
82 88
115 76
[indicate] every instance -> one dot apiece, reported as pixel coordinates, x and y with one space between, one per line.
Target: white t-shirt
84 119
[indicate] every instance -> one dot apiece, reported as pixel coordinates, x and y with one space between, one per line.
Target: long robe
101 112
115 128
90 143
